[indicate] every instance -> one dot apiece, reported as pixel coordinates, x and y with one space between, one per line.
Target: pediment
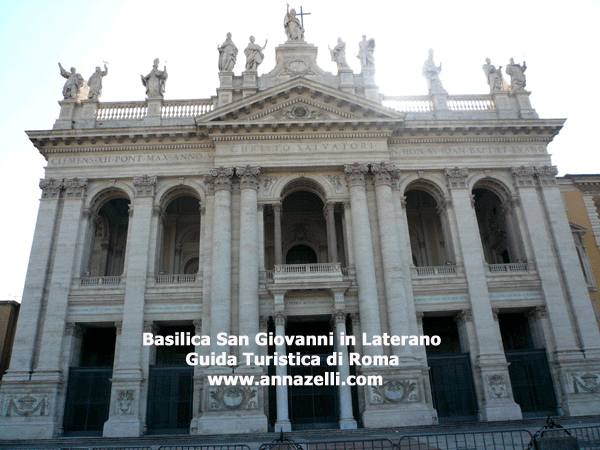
300 101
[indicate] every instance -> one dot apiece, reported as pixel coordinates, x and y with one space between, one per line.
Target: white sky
559 40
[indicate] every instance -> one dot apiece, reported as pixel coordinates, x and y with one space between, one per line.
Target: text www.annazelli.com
327 379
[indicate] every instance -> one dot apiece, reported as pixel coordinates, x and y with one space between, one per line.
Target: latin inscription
317 147
470 150
94 160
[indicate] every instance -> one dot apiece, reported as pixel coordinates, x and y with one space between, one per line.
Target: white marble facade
444 206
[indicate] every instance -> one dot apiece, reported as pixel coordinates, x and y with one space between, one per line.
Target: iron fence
583 438
369 444
479 440
205 447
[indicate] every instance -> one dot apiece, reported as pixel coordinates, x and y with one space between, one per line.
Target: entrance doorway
88 389
170 387
450 372
312 407
528 368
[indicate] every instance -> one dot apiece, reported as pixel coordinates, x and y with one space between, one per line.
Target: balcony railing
100 281
175 279
426 271
506 268
301 273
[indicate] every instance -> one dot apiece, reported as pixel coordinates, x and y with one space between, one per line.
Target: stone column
393 273
347 421
207 261
348 243
261 236
129 374
220 295
36 281
283 418
329 211
198 384
249 261
368 301
491 363
277 227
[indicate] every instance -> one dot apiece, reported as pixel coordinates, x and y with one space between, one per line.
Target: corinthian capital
523 176
385 173
546 175
355 174
144 186
75 187
457 177
220 178
50 187
248 177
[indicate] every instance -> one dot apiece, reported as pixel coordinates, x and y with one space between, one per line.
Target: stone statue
517 75
494 76
432 73
365 53
227 55
254 54
292 26
155 81
338 54
73 84
95 82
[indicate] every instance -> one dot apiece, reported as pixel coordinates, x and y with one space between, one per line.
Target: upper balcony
306 275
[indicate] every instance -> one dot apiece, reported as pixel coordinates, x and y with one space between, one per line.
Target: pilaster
491 366
128 375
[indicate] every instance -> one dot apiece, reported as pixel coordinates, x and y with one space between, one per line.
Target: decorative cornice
355 174
144 185
280 318
284 136
248 177
385 174
124 148
457 177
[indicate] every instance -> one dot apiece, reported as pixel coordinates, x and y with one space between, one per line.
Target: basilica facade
299 203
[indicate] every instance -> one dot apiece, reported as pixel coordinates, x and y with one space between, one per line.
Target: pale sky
559 40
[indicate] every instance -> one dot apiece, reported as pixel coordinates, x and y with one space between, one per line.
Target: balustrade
470 103
175 279
434 270
122 111
511 267
186 108
100 281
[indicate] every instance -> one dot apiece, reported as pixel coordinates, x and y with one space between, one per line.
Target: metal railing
584 438
100 281
205 447
367 444
479 440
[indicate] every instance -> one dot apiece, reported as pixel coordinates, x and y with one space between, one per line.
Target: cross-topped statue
302 14
292 26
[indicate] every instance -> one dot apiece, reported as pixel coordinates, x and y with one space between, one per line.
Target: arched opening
180 248
109 239
493 228
301 254
427 240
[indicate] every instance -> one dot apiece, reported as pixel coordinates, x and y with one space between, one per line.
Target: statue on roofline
293 29
338 54
155 81
227 55
432 73
494 76
95 82
366 48
254 54
517 75
73 84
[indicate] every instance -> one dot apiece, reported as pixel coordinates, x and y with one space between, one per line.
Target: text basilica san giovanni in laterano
296 215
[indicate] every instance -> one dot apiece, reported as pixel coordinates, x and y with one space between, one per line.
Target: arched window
301 254
109 239
180 248
427 240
